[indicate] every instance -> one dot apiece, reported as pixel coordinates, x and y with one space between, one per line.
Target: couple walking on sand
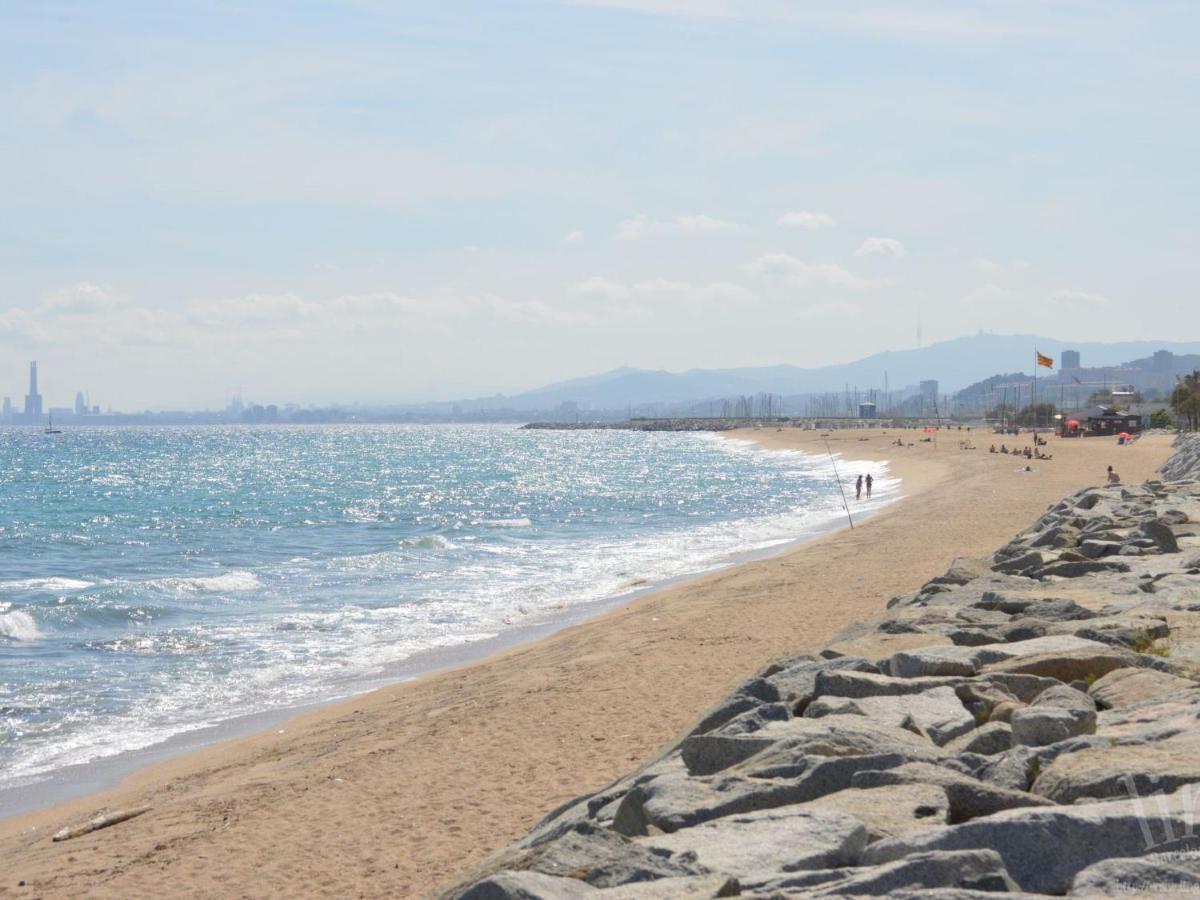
858 486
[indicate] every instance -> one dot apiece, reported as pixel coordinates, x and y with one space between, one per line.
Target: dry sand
400 790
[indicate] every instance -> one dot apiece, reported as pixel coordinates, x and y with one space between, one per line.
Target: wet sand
395 792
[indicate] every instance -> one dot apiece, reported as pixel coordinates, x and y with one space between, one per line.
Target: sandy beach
398 791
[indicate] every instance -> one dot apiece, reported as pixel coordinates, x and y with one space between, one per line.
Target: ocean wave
506 523
170 643
45 584
369 511
228 581
19 626
429 542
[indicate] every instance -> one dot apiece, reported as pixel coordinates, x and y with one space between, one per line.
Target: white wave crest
506 523
429 542
45 584
227 581
19 626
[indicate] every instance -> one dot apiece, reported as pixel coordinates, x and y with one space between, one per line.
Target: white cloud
800 273
81 297
599 289
641 227
806 219
881 246
573 237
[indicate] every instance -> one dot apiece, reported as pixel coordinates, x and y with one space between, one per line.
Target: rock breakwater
1026 723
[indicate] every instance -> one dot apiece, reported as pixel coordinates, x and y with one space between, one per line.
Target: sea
157 582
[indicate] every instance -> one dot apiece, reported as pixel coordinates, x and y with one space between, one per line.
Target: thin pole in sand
841 487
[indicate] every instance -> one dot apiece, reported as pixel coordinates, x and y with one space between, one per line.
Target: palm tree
1185 399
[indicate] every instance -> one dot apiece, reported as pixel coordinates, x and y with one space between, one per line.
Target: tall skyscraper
6 414
1070 359
80 404
929 396
33 400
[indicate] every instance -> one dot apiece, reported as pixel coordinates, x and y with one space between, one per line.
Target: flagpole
1033 395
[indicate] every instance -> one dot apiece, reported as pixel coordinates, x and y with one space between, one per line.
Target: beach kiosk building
1100 421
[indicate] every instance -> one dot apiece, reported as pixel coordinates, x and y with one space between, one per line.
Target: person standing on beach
870 481
858 487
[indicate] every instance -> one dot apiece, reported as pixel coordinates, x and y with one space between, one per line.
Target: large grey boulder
1125 687
890 810
856 685
780 744
1071 665
971 870
1064 696
1044 849
969 797
987 740
510 885
1037 726
759 846
796 683
967 661
1057 714
674 802
603 858
1122 771
836 736
1148 877
936 712
1025 563
1161 717
525 886
1159 531
698 887
597 808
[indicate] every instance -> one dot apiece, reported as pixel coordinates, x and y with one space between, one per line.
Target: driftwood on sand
102 821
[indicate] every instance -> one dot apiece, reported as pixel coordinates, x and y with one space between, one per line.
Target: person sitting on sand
1004 448
1113 477
992 449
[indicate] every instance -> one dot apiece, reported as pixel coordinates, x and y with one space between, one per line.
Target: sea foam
19 626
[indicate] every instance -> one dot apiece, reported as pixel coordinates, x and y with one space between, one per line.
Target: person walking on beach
870 481
858 487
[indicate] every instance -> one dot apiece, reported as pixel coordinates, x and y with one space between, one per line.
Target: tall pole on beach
841 487
1033 393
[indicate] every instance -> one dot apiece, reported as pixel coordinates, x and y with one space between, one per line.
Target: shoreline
83 780
410 785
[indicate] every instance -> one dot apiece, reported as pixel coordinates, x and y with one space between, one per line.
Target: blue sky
387 201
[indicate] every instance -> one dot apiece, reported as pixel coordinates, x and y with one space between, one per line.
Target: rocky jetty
1026 723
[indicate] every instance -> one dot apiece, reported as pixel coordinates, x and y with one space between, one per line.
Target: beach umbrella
1072 423
1125 434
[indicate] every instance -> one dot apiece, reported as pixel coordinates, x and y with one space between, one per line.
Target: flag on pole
1043 360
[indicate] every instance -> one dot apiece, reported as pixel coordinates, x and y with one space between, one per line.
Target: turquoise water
157 581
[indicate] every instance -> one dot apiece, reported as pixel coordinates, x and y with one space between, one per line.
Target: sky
370 201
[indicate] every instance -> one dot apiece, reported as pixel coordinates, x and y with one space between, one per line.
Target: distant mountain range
954 364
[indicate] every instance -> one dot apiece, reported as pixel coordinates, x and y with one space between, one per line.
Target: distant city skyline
390 203
889 382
